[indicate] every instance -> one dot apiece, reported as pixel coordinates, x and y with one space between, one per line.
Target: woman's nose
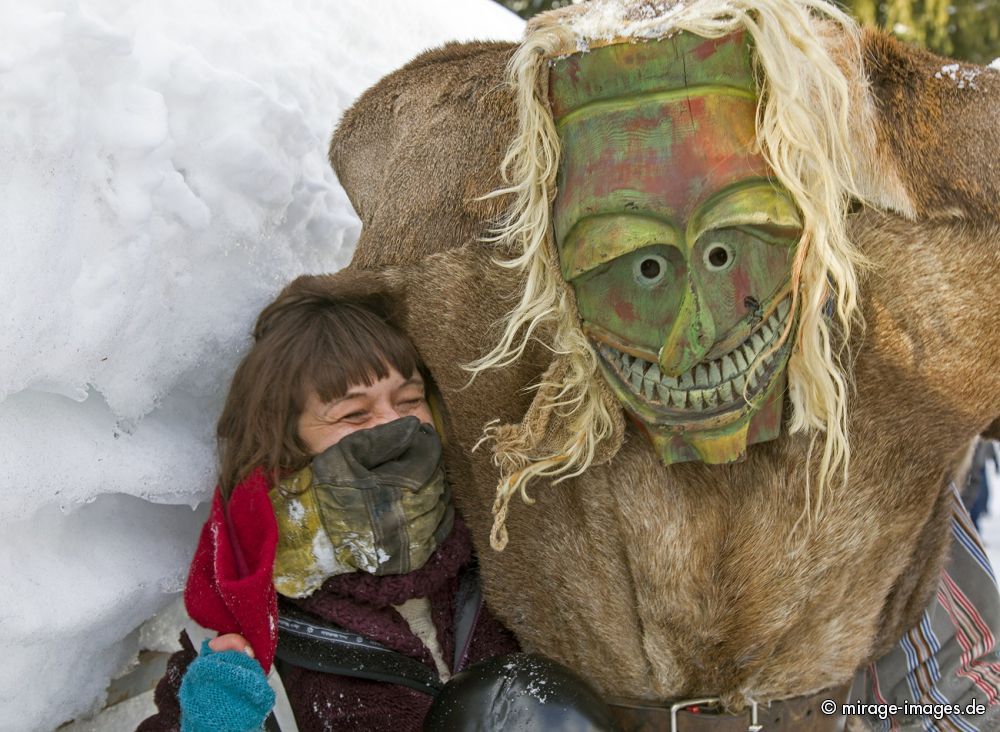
385 415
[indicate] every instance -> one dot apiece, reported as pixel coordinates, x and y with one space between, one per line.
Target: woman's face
324 424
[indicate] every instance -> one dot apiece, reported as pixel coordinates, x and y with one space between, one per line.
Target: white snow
617 18
362 548
327 564
949 70
296 511
994 64
965 78
162 174
990 523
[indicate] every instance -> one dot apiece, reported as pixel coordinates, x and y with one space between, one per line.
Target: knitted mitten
224 691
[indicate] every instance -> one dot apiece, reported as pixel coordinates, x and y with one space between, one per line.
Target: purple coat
362 603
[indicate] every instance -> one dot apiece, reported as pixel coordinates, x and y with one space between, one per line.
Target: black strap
317 645
303 641
468 604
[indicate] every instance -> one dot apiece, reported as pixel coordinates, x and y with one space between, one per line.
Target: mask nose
691 336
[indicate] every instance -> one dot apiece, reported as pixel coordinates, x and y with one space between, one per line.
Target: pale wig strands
803 132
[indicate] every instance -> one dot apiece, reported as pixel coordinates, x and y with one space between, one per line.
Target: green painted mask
676 241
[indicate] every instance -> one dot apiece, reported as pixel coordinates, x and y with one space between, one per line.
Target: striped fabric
950 657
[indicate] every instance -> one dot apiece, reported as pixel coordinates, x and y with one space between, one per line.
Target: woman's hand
231 642
224 690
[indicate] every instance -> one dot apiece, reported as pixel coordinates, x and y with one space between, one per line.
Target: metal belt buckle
755 726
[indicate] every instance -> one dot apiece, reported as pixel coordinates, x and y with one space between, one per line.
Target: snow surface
162 174
990 523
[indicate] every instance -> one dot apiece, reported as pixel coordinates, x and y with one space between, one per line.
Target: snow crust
990 521
162 174
964 78
624 18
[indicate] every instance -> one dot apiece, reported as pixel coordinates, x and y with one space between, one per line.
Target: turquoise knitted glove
225 691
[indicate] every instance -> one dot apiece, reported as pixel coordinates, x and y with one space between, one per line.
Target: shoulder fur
416 151
938 119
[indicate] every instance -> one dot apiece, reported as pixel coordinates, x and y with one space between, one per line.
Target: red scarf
229 588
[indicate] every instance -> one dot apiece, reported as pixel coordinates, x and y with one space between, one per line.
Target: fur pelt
937 122
381 149
678 581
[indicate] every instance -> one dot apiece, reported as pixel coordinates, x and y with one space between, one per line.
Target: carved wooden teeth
705 385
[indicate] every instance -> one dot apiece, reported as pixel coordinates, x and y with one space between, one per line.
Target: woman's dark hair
303 342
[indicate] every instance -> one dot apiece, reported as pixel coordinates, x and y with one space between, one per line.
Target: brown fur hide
400 139
939 127
678 581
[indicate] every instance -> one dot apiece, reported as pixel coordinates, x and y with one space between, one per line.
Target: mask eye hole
719 256
649 269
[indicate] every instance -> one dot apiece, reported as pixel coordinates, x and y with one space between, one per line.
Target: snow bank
162 174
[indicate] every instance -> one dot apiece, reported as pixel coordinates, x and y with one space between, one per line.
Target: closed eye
408 405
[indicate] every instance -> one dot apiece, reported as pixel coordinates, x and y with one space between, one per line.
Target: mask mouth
711 387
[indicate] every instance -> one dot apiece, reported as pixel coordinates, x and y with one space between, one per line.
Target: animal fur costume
671 581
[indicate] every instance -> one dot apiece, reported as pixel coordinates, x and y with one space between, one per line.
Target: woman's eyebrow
349 395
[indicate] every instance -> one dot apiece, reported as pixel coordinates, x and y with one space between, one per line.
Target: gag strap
308 643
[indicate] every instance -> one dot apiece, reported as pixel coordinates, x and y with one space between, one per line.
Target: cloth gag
377 502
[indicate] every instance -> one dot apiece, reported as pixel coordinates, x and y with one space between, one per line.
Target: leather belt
798 714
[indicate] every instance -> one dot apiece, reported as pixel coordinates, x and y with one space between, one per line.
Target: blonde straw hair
803 123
